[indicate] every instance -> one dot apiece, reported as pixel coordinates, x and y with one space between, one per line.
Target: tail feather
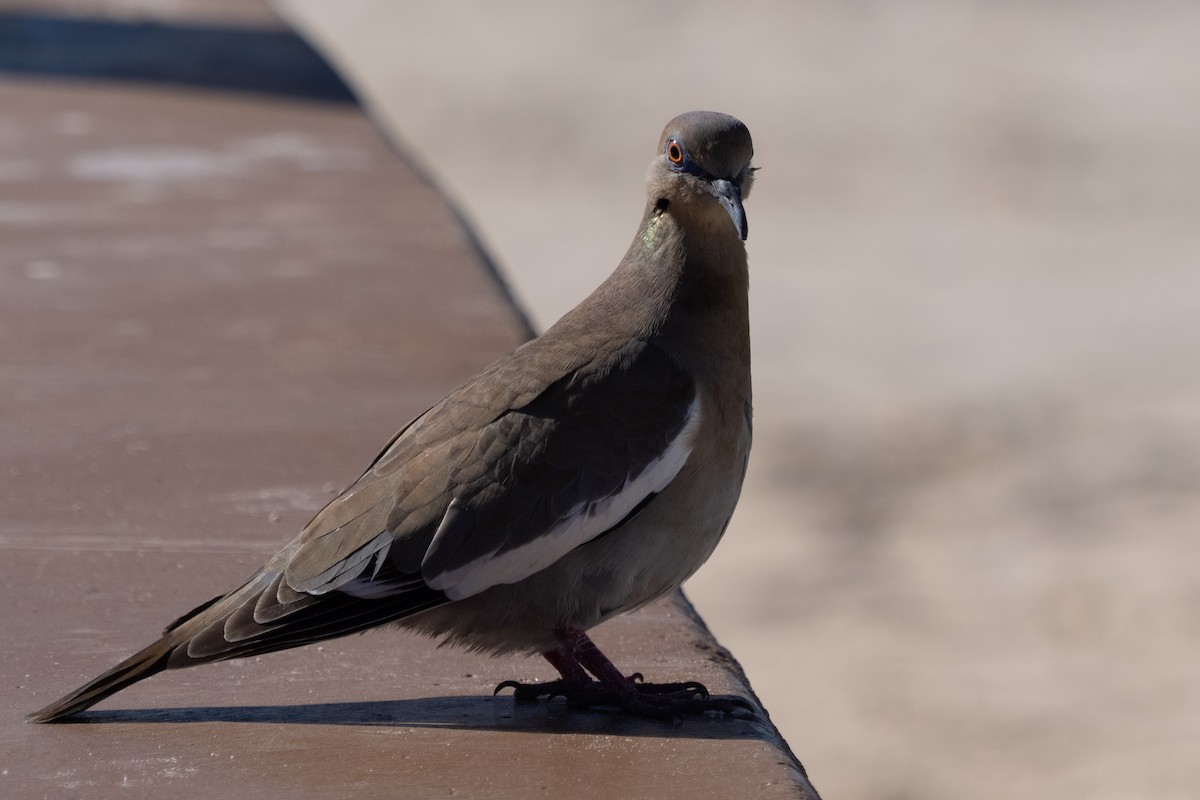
142 664
195 612
227 627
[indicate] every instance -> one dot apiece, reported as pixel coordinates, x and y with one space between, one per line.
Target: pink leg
576 655
584 652
567 666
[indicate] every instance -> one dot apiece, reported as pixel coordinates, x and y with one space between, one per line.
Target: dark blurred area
272 61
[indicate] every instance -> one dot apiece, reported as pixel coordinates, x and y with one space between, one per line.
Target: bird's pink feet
576 656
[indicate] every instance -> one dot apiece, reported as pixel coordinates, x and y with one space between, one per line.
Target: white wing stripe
583 523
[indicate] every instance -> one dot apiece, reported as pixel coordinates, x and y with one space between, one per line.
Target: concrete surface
965 564
214 308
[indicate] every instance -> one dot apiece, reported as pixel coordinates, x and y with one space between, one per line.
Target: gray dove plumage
585 474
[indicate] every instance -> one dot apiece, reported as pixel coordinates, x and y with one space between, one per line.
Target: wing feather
498 481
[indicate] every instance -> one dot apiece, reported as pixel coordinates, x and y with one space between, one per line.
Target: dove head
703 164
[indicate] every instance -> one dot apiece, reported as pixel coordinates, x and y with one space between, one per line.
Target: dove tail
148 661
143 664
248 621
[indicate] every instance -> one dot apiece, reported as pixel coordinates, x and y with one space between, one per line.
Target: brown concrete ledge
214 308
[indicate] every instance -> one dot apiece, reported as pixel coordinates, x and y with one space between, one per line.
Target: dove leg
568 666
576 655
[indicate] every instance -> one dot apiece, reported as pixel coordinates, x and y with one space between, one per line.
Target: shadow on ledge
456 712
258 60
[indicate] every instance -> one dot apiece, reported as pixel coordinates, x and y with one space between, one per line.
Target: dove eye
674 152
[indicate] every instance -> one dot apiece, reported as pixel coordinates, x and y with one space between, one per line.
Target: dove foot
576 656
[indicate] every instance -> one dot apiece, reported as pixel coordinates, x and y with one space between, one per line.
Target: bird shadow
453 712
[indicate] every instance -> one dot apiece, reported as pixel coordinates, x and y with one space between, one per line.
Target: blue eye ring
675 152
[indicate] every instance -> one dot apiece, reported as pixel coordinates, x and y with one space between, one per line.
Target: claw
688 689
527 692
576 656
666 701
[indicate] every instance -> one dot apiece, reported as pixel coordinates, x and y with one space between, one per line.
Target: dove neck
684 285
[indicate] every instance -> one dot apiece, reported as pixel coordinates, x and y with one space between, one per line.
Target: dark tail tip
141 665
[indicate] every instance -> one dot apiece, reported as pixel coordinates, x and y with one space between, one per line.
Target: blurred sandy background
966 561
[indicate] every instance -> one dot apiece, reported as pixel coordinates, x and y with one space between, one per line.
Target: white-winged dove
587 473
